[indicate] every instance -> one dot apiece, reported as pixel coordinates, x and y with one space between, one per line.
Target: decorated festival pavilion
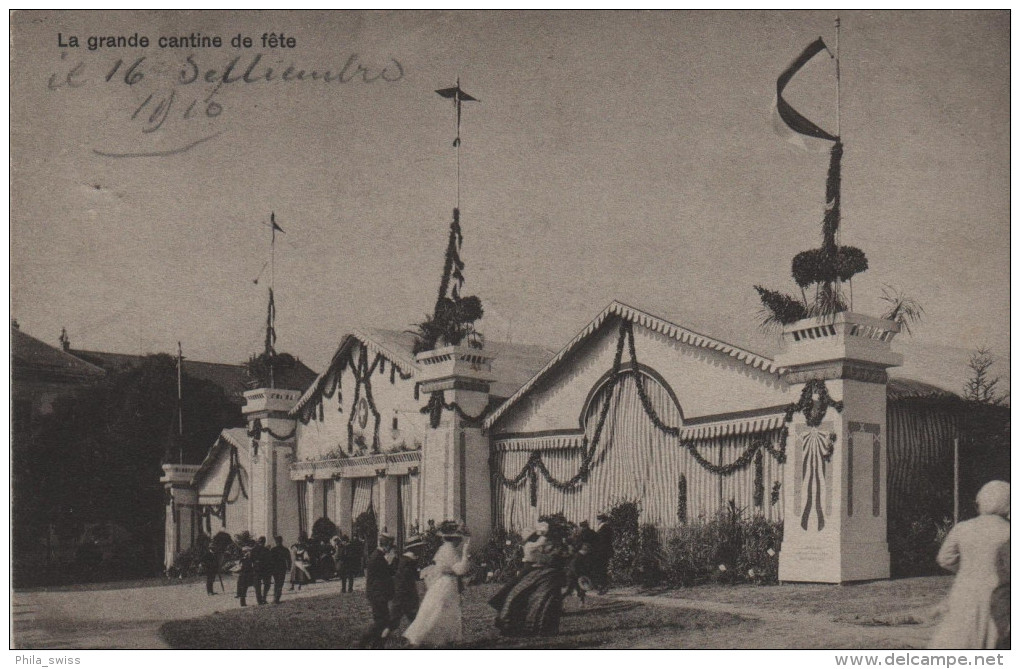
634 407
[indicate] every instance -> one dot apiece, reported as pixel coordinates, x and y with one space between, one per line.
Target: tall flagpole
837 78
180 407
456 143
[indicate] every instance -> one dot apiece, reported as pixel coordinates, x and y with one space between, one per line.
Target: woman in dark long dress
532 605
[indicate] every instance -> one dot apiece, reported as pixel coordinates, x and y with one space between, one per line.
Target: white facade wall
706 382
326 432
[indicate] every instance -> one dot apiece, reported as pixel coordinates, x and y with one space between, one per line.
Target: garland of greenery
256 432
233 473
759 484
681 499
437 404
536 465
364 378
814 411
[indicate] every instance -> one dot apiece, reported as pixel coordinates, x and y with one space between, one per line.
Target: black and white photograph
510 330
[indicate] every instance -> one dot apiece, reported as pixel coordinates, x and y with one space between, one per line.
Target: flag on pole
458 95
786 119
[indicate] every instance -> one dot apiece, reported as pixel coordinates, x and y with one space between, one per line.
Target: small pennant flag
458 95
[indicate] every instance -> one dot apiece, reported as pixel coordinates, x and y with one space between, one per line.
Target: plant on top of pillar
821 273
453 319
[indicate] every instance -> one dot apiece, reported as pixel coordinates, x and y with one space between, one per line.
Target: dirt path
786 629
122 618
891 614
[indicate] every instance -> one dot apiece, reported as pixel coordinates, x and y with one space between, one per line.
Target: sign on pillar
834 487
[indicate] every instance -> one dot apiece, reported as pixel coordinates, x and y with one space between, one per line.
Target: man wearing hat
405 592
379 589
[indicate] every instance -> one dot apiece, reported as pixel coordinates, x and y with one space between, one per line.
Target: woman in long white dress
439 620
973 550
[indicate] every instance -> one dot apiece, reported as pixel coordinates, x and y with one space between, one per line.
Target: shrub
914 542
647 568
623 519
500 559
728 548
323 530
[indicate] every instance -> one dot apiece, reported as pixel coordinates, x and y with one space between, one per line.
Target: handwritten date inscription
171 98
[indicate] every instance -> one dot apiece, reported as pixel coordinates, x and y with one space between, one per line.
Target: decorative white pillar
455 477
834 483
272 432
181 498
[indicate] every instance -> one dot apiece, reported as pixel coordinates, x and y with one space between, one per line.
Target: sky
612 155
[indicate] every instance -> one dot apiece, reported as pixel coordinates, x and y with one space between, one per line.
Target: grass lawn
338 620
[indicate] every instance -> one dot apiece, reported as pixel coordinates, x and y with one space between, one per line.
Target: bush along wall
731 547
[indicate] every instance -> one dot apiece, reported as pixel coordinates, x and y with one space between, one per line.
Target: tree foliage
981 387
97 458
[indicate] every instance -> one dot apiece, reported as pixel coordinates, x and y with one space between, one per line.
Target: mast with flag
453 269
270 344
453 317
832 264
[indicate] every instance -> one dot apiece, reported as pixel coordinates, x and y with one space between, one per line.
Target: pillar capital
838 346
455 368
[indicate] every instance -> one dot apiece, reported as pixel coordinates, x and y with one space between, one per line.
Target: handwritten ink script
180 100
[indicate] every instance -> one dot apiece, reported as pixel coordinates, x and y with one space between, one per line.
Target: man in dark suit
245 575
405 591
263 570
279 567
379 589
603 553
350 562
211 566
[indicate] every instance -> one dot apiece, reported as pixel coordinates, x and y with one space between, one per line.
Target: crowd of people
553 565
558 560
264 569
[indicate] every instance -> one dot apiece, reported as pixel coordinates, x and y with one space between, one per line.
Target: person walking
350 563
211 567
300 573
263 570
379 589
405 584
279 565
246 574
974 549
578 570
440 617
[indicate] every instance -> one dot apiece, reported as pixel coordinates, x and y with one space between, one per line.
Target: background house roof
231 378
32 356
